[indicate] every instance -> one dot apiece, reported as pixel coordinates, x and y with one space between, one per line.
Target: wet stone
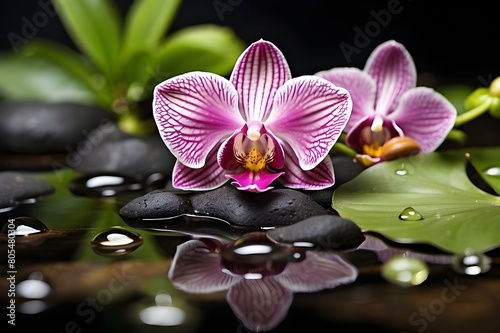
129 155
323 231
278 207
48 127
17 189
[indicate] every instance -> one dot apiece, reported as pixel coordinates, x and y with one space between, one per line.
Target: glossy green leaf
146 24
205 47
486 161
42 78
441 205
94 26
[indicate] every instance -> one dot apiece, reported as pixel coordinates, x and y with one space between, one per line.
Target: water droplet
494 171
256 253
23 226
33 293
116 241
410 214
471 263
103 185
163 313
405 271
401 172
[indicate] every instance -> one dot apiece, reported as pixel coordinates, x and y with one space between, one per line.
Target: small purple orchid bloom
259 125
387 104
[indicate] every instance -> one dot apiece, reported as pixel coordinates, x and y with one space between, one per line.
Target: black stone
17 188
277 207
324 231
127 154
36 127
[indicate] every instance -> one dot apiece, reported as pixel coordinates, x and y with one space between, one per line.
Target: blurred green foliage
119 59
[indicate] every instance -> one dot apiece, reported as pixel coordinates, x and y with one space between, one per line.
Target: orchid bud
476 98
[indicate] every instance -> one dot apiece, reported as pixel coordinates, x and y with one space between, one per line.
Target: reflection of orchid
387 104
260 277
254 128
384 252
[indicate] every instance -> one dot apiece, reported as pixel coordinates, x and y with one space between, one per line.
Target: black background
451 41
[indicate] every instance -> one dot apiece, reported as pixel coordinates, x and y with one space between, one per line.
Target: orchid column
259 126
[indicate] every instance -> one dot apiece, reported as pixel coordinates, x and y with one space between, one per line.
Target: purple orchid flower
255 127
387 104
261 294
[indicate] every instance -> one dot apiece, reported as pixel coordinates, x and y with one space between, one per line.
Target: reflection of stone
277 207
260 299
18 188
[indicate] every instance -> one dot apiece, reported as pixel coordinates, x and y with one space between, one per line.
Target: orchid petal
254 181
259 72
196 269
209 177
384 252
394 72
310 113
318 271
361 87
193 112
425 116
321 177
260 304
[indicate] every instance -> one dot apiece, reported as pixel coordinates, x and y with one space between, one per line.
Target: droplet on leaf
410 214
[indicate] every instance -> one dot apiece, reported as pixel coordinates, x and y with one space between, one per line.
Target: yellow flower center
373 150
254 160
254 153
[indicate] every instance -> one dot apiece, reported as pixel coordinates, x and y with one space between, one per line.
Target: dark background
453 41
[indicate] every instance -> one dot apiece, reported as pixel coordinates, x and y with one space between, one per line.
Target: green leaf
42 78
75 64
456 215
94 26
146 24
204 47
486 161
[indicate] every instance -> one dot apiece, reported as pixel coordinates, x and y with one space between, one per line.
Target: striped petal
193 113
426 116
196 269
258 73
260 304
208 177
319 271
321 177
394 72
361 87
310 113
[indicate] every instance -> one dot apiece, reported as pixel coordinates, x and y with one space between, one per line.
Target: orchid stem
343 149
474 113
